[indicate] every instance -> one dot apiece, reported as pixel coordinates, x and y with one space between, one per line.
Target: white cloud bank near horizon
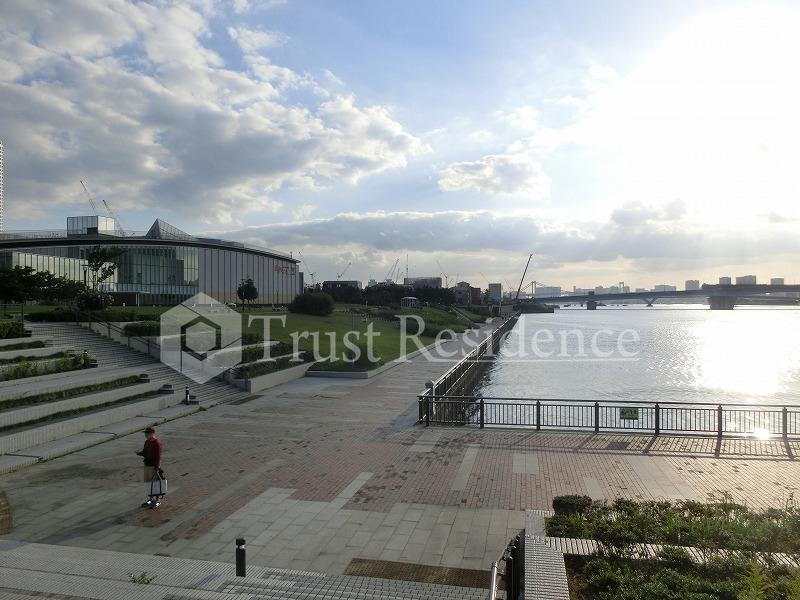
683 165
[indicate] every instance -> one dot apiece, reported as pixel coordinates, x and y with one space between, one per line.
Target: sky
644 142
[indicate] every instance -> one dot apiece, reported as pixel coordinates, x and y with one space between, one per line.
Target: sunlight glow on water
749 355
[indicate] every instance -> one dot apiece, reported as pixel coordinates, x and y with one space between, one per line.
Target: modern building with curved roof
163 265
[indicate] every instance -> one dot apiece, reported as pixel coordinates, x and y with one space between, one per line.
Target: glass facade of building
163 268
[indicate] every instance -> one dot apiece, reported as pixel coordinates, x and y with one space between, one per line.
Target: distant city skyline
360 133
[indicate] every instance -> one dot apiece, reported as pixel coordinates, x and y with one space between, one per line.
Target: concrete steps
51 439
54 569
24 414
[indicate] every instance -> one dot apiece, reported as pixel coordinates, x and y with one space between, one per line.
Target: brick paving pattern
318 472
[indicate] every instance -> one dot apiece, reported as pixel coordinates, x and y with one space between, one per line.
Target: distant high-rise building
665 288
777 281
746 280
724 280
495 292
2 220
692 284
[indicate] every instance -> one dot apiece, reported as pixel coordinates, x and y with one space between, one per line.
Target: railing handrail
493 582
477 351
609 402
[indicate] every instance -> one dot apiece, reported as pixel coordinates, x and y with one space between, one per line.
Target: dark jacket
152 452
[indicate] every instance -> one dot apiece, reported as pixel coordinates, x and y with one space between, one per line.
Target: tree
100 261
247 290
312 304
22 284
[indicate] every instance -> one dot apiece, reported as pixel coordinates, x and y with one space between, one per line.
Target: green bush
283 360
11 329
27 368
23 346
315 303
571 504
142 329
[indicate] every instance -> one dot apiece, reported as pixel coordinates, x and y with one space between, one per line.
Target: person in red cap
151 454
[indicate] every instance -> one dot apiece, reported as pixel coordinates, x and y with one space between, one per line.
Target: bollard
240 558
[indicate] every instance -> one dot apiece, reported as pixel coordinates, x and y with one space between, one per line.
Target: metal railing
766 420
514 576
457 377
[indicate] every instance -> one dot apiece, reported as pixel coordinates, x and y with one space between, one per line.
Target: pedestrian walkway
36 570
319 472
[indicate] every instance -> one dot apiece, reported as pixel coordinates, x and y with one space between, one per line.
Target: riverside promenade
319 472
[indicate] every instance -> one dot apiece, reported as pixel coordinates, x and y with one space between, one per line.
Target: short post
658 419
719 420
785 422
241 567
482 414
538 415
186 396
427 411
596 417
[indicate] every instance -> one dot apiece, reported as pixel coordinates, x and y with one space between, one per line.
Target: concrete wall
264 382
34 352
24 414
41 384
24 340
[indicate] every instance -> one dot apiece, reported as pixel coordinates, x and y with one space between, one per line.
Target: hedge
315 303
143 328
11 329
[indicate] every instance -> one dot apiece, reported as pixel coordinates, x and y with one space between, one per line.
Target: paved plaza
320 471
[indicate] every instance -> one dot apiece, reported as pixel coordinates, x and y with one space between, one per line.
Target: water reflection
749 355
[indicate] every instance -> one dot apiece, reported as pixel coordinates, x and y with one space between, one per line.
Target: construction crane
339 276
305 264
105 204
89 197
113 216
519 289
390 276
446 278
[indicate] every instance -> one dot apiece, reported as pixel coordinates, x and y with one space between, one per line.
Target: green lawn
331 330
327 334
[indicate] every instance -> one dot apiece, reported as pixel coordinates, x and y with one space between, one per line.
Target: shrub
11 329
314 303
571 504
142 328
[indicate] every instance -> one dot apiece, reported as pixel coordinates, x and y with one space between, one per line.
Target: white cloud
131 96
512 174
303 211
253 40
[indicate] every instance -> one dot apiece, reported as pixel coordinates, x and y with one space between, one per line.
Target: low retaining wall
41 384
377 371
24 414
264 382
61 429
34 352
23 340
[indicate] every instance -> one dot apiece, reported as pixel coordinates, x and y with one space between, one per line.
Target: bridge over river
720 297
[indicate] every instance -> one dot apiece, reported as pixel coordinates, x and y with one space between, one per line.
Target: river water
662 354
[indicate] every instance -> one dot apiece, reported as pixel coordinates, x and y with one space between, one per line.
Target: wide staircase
30 571
30 433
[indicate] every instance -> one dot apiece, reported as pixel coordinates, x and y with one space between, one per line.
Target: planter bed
682 550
